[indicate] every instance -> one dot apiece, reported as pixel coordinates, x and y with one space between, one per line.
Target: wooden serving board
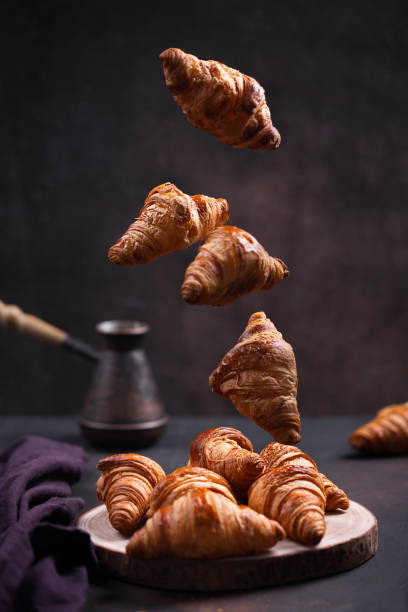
351 538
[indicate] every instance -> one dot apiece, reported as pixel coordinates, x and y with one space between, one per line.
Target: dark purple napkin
43 557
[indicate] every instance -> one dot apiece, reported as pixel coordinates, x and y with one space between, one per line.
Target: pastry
229 265
125 486
228 452
169 220
204 524
294 496
387 433
220 100
259 375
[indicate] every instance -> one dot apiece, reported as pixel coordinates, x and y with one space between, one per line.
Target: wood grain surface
351 539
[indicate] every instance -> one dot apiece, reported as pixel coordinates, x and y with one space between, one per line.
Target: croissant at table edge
277 455
220 100
169 220
184 479
125 486
228 452
387 433
204 524
230 264
259 375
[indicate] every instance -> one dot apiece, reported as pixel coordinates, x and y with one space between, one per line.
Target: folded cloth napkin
43 556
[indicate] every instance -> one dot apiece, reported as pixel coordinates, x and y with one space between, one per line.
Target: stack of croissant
227 501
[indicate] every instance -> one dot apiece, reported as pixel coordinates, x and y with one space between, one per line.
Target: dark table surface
380 484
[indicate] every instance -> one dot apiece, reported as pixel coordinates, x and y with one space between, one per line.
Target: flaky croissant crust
293 495
386 433
220 100
169 220
125 485
183 480
259 375
204 524
228 452
230 264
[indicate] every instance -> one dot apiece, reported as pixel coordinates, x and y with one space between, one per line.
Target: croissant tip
191 291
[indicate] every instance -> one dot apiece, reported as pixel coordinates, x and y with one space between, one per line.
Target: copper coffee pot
122 408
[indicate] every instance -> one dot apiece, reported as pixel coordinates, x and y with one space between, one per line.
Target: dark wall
90 128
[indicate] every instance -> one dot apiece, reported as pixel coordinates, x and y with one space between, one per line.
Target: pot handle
11 316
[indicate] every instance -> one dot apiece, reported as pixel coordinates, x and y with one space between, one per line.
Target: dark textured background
88 128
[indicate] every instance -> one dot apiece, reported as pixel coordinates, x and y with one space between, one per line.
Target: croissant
278 455
169 220
183 480
204 524
259 375
293 495
228 452
229 265
386 433
125 486
220 100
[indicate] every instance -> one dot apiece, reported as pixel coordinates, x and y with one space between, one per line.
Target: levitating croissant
387 433
278 455
220 100
293 496
183 480
204 524
125 486
259 375
229 265
169 220
228 452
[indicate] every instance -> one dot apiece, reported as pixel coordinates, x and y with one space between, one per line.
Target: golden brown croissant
228 452
277 455
229 265
183 480
204 524
259 375
293 495
386 433
125 486
220 100
169 220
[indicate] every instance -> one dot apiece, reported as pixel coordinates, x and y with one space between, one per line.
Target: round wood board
351 538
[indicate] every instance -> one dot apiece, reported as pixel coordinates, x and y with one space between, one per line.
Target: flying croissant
220 100
169 220
229 265
259 375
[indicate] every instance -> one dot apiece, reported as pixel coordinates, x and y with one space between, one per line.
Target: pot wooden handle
13 317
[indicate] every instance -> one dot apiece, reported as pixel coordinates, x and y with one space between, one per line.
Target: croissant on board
183 480
169 220
228 452
294 496
204 524
229 265
220 100
277 455
387 433
125 486
259 375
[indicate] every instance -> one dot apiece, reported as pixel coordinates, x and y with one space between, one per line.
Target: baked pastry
277 455
228 452
387 433
220 100
183 480
294 496
125 486
169 220
204 524
229 265
259 375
